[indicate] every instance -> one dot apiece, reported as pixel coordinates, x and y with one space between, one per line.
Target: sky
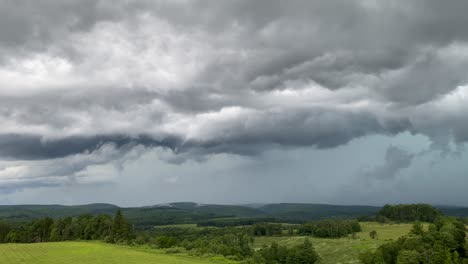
146 102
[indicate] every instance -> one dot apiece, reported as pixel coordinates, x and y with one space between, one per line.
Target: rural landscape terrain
198 233
233 132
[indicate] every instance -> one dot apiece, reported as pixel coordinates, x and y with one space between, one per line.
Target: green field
90 253
344 250
332 251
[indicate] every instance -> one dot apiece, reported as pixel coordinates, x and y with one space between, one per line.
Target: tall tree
4 230
121 229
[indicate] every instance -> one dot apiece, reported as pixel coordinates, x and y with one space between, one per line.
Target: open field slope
89 253
344 250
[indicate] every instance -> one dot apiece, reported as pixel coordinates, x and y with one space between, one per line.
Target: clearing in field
89 253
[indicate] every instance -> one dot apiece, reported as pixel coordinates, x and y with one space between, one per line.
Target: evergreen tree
4 230
121 229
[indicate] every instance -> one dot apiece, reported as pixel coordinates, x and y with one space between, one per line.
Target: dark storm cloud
201 77
33 147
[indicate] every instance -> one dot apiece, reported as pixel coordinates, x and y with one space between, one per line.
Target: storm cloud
243 77
396 159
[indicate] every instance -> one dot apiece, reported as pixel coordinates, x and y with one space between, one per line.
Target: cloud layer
239 77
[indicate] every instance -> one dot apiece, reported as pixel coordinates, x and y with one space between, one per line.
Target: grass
332 251
90 253
344 250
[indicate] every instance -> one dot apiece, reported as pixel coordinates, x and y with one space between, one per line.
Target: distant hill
27 212
454 210
305 212
188 212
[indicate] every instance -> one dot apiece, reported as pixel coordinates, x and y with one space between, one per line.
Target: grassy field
89 253
332 251
345 250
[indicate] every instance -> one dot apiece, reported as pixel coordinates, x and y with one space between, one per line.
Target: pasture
90 253
344 250
332 251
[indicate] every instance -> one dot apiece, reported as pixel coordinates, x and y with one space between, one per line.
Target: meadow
91 253
332 251
344 250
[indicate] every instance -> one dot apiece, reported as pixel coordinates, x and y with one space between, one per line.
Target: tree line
230 222
85 227
233 242
330 228
443 243
274 254
409 213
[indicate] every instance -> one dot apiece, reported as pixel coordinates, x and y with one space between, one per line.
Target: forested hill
305 212
176 213
27 212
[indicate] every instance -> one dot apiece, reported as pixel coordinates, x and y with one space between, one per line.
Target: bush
165 242
176 250
303 254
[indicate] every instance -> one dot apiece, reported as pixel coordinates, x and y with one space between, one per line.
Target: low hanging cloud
227 77
396 160
68 170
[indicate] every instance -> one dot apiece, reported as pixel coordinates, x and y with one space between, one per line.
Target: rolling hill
187 212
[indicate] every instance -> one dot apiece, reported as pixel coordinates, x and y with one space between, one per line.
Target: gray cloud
68 170
239 77
396 160
33 147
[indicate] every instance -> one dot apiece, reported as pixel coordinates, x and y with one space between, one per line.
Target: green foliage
408 257
4 230
121 229
417 229
373 234
299 212
266 229
165 242
231 222
299 254
330 228
410 212
85 227
185 213
443 243
232 242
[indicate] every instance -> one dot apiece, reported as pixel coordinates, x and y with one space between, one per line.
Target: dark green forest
183 213
210 215
85 227
409 213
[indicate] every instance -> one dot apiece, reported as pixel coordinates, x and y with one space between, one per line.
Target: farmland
343 250
238 240
90 252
